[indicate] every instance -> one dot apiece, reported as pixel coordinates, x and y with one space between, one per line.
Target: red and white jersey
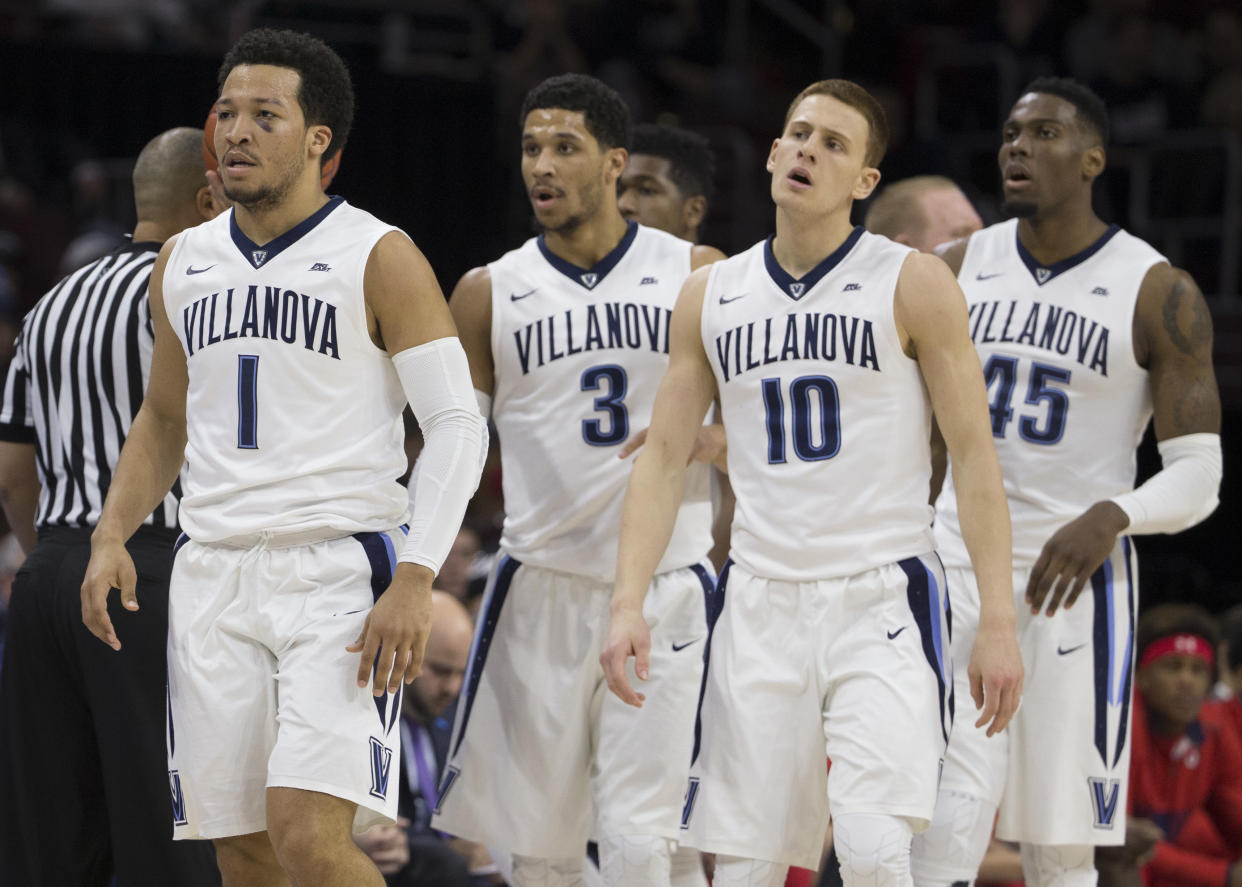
1069 403
293 415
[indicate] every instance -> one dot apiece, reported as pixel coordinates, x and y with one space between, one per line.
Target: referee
84 790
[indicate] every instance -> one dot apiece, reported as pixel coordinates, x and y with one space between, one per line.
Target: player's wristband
436 380
1182 493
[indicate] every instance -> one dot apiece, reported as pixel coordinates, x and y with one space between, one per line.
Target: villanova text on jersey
267 312
1052 328
805 336
607 326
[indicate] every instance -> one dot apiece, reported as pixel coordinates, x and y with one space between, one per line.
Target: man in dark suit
411 854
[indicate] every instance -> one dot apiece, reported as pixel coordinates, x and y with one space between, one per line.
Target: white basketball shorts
1059 772
543 754
856 669
261 691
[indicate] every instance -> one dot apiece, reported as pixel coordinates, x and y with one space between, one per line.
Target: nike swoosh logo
193 270
724 301
677 647
982 276
1062 651
517 297
893 634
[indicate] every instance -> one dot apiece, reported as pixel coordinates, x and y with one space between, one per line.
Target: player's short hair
690 162
1090 109
896 209
850 93
603 110
325 94
1169 619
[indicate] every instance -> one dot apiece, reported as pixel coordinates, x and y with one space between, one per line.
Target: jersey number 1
248 401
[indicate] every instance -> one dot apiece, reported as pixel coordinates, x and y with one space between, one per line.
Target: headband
1178 645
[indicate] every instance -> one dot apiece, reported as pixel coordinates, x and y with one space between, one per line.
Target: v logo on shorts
1104 795
381 764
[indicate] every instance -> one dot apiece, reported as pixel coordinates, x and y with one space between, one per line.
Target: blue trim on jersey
927 605
274 247
796 289
493 602
172 736
1102 653
713 601
600 269
1056 268
1129 660
180 544
383 560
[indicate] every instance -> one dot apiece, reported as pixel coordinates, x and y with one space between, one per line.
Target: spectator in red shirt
1185 770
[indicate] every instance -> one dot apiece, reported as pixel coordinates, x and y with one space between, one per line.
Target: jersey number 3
611 404
248 401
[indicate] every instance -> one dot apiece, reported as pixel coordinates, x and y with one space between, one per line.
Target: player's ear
1093 162
771 165
318 138
615 162
693 211
867 181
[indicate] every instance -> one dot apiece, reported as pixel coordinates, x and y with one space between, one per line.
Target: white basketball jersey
578 357
827 419
1069 403
293 414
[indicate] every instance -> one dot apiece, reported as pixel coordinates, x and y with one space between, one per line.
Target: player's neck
801 244
266 223
1054 236
586 244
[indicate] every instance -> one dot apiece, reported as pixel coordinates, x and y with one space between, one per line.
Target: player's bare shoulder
471 307
953 253
701 255
1172 315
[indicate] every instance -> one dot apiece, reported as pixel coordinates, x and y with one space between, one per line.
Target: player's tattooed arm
1173 340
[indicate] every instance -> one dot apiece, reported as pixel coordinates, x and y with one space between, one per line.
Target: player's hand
394 635
628 635
996 676
110 567
709 446
387 846
1072 554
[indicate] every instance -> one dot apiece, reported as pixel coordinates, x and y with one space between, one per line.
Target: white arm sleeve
436 380
1182 493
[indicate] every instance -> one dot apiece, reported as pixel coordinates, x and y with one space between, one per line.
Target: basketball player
923 212
667 182
289 335
1083 331
567 338
828 348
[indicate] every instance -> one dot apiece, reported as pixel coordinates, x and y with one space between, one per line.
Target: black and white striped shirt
77 381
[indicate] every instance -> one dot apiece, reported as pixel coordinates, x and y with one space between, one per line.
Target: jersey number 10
803 391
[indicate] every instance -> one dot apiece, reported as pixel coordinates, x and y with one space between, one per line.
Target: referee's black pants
84 791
